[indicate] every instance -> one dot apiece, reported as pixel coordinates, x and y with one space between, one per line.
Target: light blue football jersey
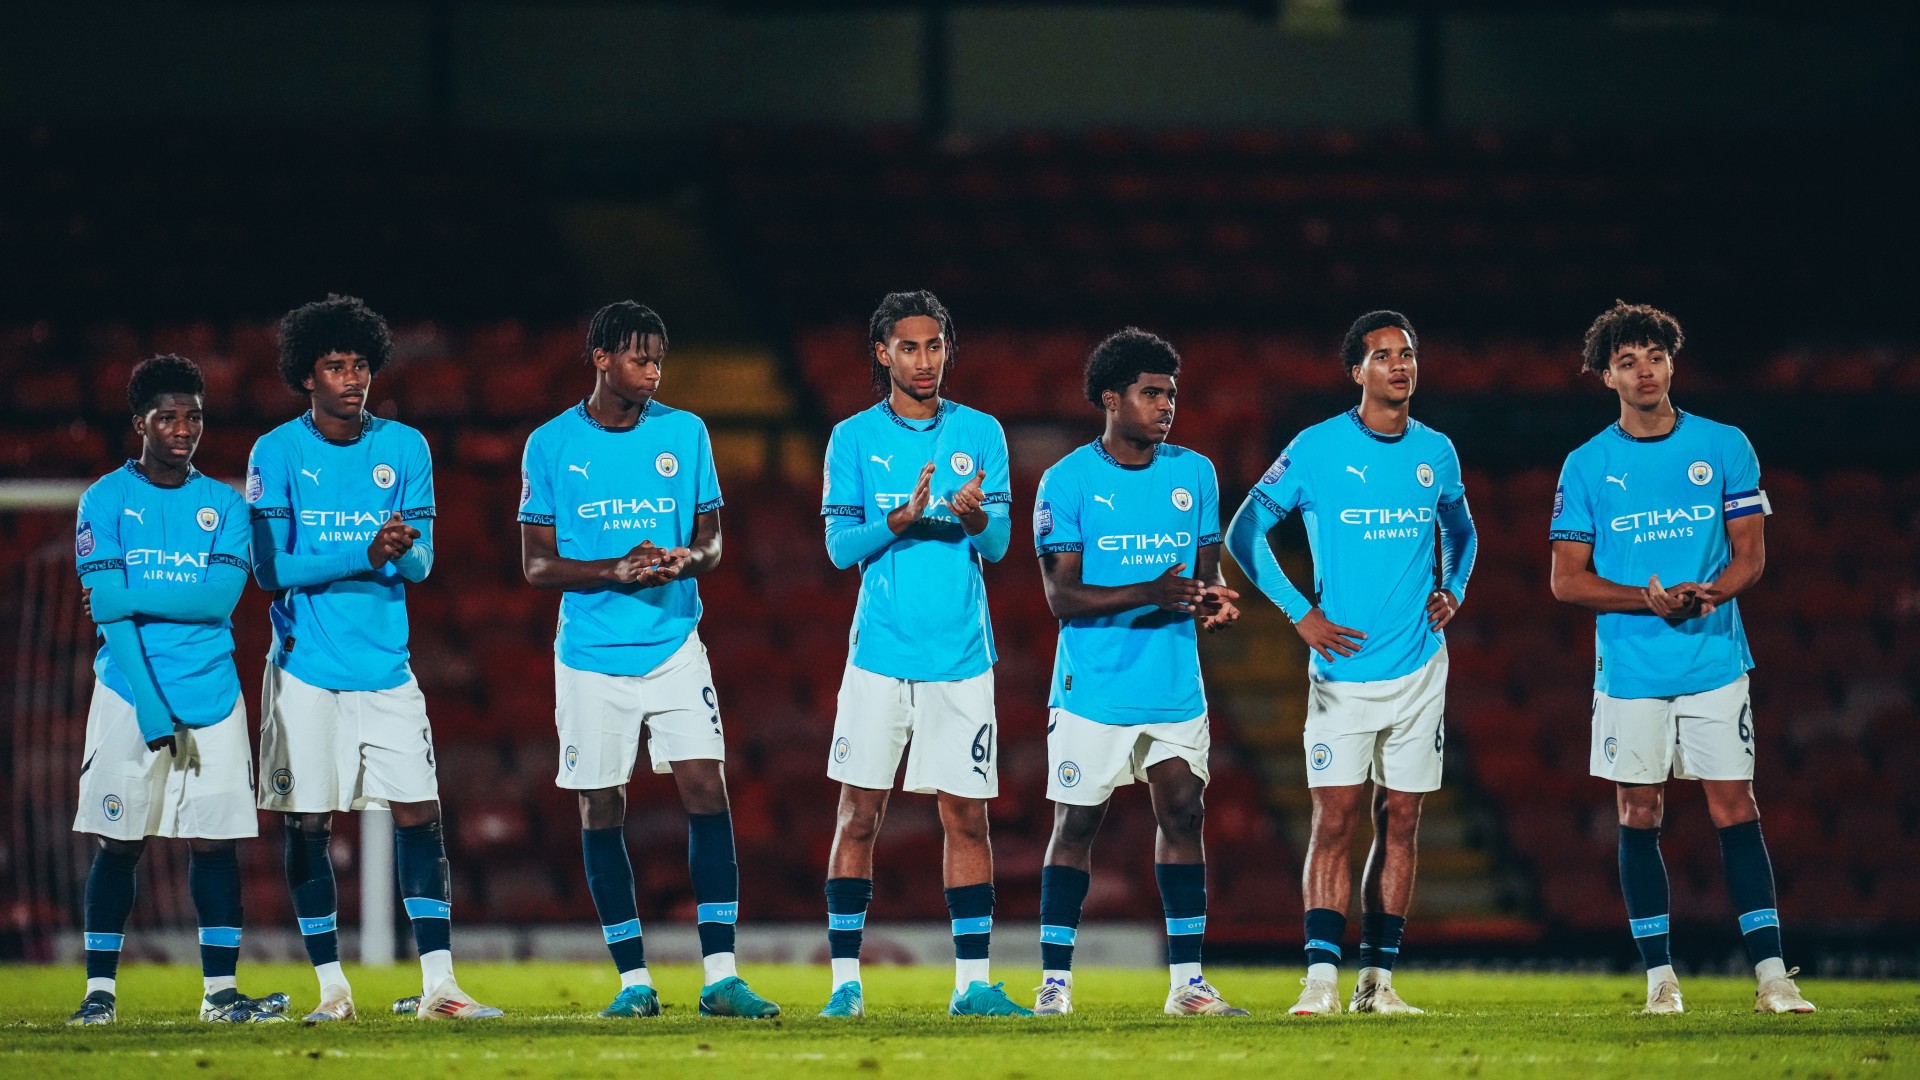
1371 504
349 634
161 538
1129 523
922 612
605 492
1660 506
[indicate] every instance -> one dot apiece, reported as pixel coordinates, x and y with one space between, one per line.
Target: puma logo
887 461
1108 499
313 476
1621 480
137 515
984 776
1360 472
581 469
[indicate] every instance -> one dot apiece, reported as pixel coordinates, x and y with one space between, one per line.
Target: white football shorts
951 726
325 750
1389 731
1088 760
127 792
601 717
1704 736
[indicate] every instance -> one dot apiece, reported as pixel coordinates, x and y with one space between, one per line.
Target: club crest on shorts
666 464
841 749
573 757
1275 471
962 463
1611 748
1069 774
1182 500
113 807
1424 473
282 781
256 486
83 539
1700 473
207 518
1322 756
383 476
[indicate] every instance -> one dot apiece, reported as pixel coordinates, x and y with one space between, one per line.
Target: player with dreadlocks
620 512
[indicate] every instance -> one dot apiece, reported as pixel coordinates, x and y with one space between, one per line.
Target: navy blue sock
610 880
316 905
1063 892
1380 939
110 888
971 908
1183 896
1643 881
420 863
214 880
847 900
1325 928
1743 855
716 879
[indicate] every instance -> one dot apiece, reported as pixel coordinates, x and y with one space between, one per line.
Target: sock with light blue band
1324 927
847 902
420 862
610 880
716 879
1183 896
1063 893
111 883
213 877
1643 883
971 908
1749 872
316 901
1380 936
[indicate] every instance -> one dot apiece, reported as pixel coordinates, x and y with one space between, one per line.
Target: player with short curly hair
1117 526
162 555
343 509
1666 494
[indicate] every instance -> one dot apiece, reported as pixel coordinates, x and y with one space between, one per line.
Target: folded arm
210 601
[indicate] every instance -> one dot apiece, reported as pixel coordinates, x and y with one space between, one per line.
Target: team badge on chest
666 464
1424 474
1700 473
207 518
1182 500
383 476
962 463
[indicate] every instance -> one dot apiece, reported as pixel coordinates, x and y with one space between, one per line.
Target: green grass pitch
1477 1025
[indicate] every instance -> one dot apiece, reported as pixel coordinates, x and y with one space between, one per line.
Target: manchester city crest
383 476
962 463
1611 747
841 748
207 518
1700 473
1069 774
113 807
1322 756
573 757
1424 474
1182 500
666 464
282 781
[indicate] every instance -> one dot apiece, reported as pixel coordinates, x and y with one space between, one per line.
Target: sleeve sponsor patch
1042 519
1559 500
1275 471
83 540
256 487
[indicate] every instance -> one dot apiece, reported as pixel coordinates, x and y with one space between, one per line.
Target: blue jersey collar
366 424
133 467
1679 417
580 410
1353 414
886 410
1101 449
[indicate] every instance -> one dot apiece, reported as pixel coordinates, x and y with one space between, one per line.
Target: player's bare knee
125 849
858 823
1641 806
703 786
964 819
1730 803
604 808
311 824
1181 820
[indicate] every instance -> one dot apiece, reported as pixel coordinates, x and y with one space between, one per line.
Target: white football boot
1780 995
1320 998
